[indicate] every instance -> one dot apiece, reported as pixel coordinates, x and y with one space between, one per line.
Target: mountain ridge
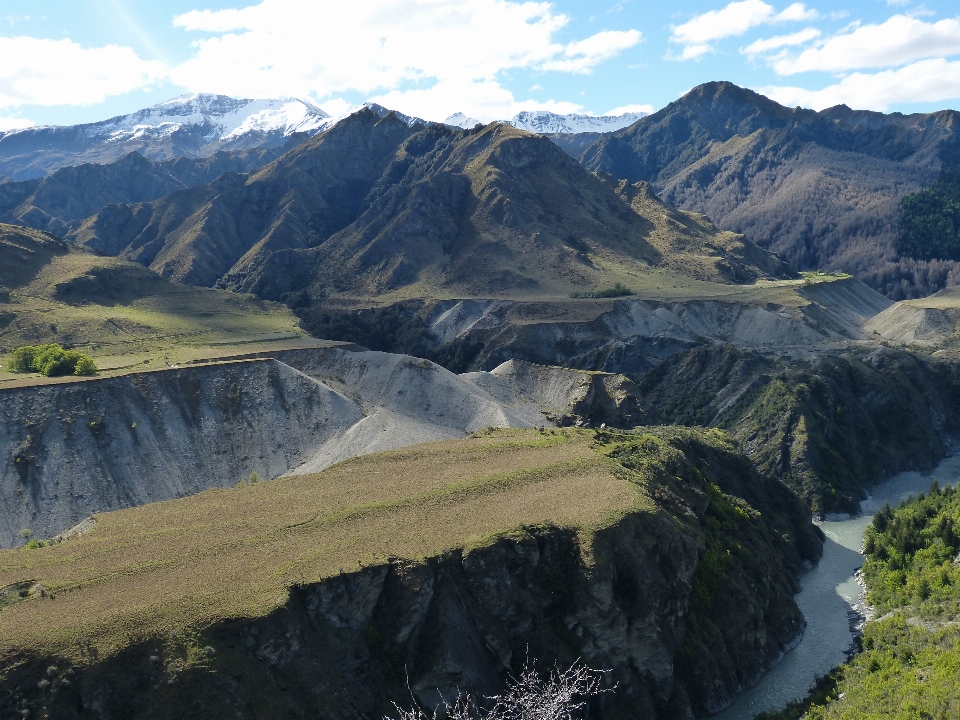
194 126
548 123
421 208
818 188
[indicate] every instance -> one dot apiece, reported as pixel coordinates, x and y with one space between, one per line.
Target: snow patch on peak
461 121
544 122
384 111
218 116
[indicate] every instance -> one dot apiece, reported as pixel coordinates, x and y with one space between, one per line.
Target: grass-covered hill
435 568
821 189
58 201
120 313
374 207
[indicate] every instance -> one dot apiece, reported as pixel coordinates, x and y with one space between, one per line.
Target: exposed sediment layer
633 335
78 448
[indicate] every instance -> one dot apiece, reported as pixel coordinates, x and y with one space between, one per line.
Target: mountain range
820 189
548 123
376 207
191 126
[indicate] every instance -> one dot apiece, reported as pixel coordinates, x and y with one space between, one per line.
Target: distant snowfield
224 119
543 122
200 125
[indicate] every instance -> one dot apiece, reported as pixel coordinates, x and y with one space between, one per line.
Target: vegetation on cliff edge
910 664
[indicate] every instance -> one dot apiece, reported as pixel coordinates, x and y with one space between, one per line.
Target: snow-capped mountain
546 123
384 111
461 121
224 118
196 125
543 122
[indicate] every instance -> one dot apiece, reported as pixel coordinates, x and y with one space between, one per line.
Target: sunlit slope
117 311
929 321
233 553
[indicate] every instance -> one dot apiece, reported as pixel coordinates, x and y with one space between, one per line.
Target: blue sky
71 61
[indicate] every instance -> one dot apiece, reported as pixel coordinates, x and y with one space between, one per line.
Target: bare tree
559 696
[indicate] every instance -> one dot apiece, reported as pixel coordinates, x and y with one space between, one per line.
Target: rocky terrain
57 202
820 189
630 335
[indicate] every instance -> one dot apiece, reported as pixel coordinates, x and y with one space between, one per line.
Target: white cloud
697 34
337 107
11 123
420 56
798 12
735 19
624 109
897 41
781 41
932 80
35 71
582 55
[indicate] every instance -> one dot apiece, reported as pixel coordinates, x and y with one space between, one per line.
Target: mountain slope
423 572
374 206
118 311
56 202
818 188
192 126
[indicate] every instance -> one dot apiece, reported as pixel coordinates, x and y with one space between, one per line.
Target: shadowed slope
58 202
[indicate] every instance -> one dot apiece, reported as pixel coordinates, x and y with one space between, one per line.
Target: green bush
618 290
50 360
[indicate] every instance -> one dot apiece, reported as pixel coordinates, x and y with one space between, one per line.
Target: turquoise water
831 599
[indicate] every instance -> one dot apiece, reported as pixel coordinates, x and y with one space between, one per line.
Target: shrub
50 360
618 290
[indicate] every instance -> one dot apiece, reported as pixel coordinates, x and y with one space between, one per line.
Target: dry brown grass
234 553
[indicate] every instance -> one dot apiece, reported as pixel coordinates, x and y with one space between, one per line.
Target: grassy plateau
222 554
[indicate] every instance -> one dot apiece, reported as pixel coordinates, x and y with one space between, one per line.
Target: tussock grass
190 562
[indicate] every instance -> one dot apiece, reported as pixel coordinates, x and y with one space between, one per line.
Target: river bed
831 599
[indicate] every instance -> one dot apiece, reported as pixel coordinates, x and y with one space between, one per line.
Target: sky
64 62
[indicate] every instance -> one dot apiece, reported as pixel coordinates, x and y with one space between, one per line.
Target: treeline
930 221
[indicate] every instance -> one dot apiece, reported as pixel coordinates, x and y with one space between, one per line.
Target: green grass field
121 314
222 554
